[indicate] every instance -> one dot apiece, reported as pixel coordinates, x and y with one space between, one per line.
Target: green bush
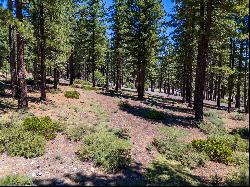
164 172
240 178
16 180
168 143
124 104
78 133
211 128
181 152
155 115
120 133
18 142
233 141
72 94
217 150
43 125
240 158
214 118
242 132
107 150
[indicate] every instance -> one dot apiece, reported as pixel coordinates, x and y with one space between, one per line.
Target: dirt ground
61 166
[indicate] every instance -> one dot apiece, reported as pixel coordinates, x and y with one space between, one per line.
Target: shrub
238 116
242 132
43 125
216 149
155 115
240 158
169 145
240 178
120 133
211 128
16 180
107 150
124 104
78 133
2 91
214 118
164 172
72 94
233 141
18 142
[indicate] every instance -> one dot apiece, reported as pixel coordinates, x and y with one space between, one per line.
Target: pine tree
144 19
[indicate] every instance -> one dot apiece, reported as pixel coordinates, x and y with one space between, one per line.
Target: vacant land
160 131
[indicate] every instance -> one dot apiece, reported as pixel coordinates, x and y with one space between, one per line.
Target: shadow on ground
165 118
128 177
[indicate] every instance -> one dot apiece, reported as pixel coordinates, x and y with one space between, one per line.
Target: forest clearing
124 93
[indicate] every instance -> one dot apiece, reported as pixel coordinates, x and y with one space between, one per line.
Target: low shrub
43 125
124 104
78 133
89 87
168 143
72 94
238 116
233 141
240 158
18 142
107 150
214 118
242 132
164 172
211 128
240 178
16 180
155 115
217 150
120 133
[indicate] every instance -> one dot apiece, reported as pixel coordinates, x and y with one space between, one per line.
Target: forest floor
60 164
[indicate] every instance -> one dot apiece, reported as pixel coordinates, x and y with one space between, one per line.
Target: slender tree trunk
107 73
12 56
238 84
231 77
215 88
42 52
245 77
71 68
21 77
55 78
202 57
141 79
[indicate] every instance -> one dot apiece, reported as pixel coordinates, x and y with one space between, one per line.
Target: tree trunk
21 77
12 57
71 69
42 53
55 78
231 77
141 80
205 26
245 77
238 84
